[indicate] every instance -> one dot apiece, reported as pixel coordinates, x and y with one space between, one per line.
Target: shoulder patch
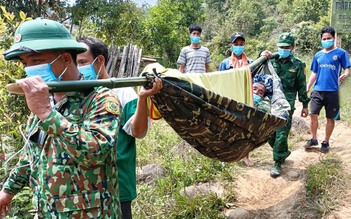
112 105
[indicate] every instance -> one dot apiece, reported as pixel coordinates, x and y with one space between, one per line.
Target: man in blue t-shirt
326 69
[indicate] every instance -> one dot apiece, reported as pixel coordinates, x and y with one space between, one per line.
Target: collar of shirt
291 58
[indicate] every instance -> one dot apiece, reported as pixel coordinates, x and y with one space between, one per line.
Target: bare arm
266 53
311 81
207 66
5 203
182 68
140 119
344 76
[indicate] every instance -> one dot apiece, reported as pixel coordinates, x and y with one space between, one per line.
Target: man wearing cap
69 156
238 57
291 71
194 58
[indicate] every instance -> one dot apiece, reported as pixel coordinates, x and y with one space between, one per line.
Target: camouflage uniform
293 79
70 158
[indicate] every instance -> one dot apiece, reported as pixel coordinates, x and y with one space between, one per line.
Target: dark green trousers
279 141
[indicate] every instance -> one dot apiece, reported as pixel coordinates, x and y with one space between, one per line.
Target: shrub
12 109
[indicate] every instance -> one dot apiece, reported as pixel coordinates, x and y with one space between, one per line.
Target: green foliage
162 31
345 100
30 7
163 201
12 108
303 12
246 16
52 9
307 38
116 22
165 29
209 206
325 182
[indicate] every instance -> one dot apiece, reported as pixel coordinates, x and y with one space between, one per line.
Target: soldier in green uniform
291 71
69 156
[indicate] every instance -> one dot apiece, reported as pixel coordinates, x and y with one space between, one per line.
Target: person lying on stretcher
261 100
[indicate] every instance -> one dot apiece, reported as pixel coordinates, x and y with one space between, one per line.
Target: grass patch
345 100
326 182
171 204
184 166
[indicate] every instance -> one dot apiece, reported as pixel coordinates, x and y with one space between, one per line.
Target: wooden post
110 60
338 37
135 61
137 66
130 62
126 64
123 61
114 71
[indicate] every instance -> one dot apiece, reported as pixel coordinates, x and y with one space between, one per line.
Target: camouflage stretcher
216 126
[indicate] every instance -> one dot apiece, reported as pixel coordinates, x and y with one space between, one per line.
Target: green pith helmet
286 39
39 35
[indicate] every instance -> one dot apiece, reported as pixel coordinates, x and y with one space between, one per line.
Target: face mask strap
56 59
60 76
94 60
64 71
98 73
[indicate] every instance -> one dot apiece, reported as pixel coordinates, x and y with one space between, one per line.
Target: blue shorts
328 99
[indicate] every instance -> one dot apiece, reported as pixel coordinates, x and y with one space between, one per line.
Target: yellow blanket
235 84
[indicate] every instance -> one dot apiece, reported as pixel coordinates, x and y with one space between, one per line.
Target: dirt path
265 197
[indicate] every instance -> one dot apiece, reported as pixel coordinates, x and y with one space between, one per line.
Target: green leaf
22 15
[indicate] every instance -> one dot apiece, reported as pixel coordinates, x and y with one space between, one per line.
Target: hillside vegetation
162 30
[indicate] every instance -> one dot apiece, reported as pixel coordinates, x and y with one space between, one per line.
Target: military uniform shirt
293 78
73 172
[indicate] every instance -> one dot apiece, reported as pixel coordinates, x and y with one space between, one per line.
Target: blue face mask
327 43
284 53
88 71
195 39
257 99
238 50
44 71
